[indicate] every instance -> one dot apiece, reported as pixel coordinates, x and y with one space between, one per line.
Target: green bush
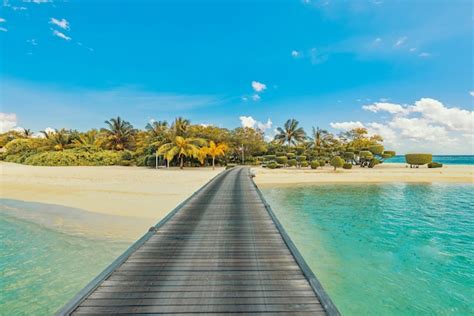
389 152
74 157
322 163
314 164
18 146
291 155
347 166
304 164
273 165
280 153
336 162
292 162
301 158
418 159
150 161
127 155
376 149
435 165
365 154
283 160
373 162
269 157
348 155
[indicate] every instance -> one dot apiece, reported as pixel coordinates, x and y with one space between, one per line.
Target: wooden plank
221 251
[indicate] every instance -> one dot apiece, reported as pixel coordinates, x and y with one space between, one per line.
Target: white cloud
346 126
413 49
295 53
61 35
424 55
245 99
376 41
3 29
32 42
387 107
258 86
256 97
471 93
38 1
2 20
250 122
8 121
400 41
63 23
419 129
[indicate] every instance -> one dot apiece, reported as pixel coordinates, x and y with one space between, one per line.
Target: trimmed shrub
336 162
418 159
304 164
292 162
269 157
74 157
376 149
291 155
389 152
314 164
348 155
301 158
322 163
347 166
365 154
374 162
283 160
280 153
274 165
435 165
127 155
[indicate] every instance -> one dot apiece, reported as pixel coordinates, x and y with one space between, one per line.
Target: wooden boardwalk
221 251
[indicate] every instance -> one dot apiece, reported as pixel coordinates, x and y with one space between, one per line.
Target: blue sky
403 69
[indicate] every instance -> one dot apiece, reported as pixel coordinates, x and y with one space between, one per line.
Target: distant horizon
402 70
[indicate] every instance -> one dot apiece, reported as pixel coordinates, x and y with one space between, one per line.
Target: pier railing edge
324 298
69 307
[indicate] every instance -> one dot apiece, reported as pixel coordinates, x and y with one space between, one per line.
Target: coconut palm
181 147
157 128
290 133
320 138
26 132
58 139
180 126
119 134
90 139
215 150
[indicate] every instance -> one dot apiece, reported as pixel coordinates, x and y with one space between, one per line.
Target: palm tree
181 147
215 150
119 133
320 138
291 133
89 139
27 132
58 139
157 128
180 126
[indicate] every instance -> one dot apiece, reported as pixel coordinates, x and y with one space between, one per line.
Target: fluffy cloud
346 126
38 1
258 86
250 122
63 23
2 20
471 93
428 125
295 53
256 97
61 35
400 41
8 121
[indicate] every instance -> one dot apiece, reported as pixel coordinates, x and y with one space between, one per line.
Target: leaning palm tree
215 150
180 126
120 134
181 147
26 132
290 133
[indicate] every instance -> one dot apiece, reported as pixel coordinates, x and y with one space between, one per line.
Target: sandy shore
125 200
389 172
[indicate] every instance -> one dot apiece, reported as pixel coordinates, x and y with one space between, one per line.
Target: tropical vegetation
184 144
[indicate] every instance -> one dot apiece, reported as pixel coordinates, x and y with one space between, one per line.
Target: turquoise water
444 159
391 249
41 269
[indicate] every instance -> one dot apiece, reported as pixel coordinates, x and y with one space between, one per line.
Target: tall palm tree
181 147
120 133
215 150
157 128
290 133
180 126
320 138
58 139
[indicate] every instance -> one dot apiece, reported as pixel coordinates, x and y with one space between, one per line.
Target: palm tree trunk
213 166
181 164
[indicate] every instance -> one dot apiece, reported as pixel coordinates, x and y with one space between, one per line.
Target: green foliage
272 165
435 165
291 155
292 162
418 159
269 157
74 157
304 164
314 164
283 160
322 163
336 162
150 161
348 155
18 145
347 166
301 158
373 162
376 149
389 152
127 155
365 154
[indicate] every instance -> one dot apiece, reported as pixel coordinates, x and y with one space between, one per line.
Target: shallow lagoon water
41 269
385 249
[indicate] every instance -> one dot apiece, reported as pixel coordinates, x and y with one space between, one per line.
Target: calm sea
388 249
444 159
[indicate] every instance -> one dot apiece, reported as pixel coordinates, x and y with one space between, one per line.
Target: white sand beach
389 172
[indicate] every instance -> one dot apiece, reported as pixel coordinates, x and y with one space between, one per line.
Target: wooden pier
222 251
